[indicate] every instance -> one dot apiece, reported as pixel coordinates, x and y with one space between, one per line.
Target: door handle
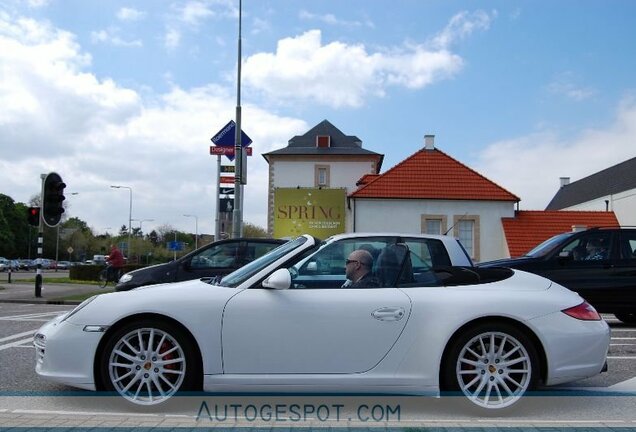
388 313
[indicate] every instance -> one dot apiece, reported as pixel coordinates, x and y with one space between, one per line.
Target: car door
218 259
624 271
576 267
310 330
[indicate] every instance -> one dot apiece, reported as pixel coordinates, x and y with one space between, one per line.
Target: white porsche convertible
284 323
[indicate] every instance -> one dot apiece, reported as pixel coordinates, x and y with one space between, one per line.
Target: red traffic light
33 216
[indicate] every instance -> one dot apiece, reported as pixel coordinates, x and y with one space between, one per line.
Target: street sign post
231 141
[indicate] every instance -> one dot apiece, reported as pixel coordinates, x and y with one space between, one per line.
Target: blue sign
175 246
227 135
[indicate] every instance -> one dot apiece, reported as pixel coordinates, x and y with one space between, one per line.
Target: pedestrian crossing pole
38 274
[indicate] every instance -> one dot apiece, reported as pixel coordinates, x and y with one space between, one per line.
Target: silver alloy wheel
493 370
147 366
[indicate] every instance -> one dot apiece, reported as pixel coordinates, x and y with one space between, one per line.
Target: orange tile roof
432 174
529 228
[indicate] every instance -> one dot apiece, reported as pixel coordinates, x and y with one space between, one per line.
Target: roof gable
529 228
432 174
339 144
613 180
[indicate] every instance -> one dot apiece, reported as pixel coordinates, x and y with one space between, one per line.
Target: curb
41 301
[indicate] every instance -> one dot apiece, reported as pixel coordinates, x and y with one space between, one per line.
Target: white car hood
175 300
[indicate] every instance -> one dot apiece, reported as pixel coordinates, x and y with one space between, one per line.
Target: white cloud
130 14
530 166
337 74
188 16
111 37
172 38
463 25
565 85
331 19
95 133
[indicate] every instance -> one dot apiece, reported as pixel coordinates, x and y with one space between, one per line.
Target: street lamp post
128 248
196 225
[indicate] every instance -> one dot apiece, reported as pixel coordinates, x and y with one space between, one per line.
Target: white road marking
15 344
18 335
43 316
622 358
624 338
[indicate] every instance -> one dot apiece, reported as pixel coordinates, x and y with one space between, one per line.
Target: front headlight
125 278
78 308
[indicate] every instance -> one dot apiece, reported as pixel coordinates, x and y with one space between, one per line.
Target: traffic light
53 199
33 216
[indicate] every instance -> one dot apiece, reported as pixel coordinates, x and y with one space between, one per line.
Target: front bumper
65 353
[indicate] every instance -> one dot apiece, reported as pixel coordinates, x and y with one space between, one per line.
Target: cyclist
115 262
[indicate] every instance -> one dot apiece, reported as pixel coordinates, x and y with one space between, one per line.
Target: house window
467 232
434 224
323 141
321 176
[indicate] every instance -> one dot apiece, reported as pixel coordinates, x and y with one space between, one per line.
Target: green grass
61 281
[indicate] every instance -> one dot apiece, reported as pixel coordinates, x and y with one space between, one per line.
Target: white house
612 189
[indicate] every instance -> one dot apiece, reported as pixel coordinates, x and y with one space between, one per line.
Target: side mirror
312 266
280 280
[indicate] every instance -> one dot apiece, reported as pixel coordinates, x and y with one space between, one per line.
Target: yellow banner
319 212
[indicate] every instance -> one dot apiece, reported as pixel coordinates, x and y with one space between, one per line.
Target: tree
14 228
252 230
153 237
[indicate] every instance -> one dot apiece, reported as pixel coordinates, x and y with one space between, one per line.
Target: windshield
548 245
239 276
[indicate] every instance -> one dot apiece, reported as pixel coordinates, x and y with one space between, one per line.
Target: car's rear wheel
626 317
147 362
493 365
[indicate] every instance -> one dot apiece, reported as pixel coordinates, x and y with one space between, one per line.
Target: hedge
91 272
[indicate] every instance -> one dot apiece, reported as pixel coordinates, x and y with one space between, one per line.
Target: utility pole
237 216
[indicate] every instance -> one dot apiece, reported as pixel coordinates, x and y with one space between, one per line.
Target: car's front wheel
493 365
626 317
148 361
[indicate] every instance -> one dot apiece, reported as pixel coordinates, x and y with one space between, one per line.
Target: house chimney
564 181
429 142
577 228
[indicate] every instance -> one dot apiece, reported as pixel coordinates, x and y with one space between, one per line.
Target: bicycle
106 275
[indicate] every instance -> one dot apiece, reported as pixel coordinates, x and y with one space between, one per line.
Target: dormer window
323 141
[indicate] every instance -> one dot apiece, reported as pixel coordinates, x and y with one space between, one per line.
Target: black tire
103 278
626 317
172 366
495 380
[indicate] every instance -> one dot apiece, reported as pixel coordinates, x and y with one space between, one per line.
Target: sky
130 93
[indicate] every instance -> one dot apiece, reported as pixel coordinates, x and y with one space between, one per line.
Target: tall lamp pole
237 214
128 248
196 225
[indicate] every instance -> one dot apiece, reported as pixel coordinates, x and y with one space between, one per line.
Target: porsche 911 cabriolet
290 322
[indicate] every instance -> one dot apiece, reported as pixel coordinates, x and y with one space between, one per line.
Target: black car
216 259
598 263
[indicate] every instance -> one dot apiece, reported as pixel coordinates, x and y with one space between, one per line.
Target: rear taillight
583 312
